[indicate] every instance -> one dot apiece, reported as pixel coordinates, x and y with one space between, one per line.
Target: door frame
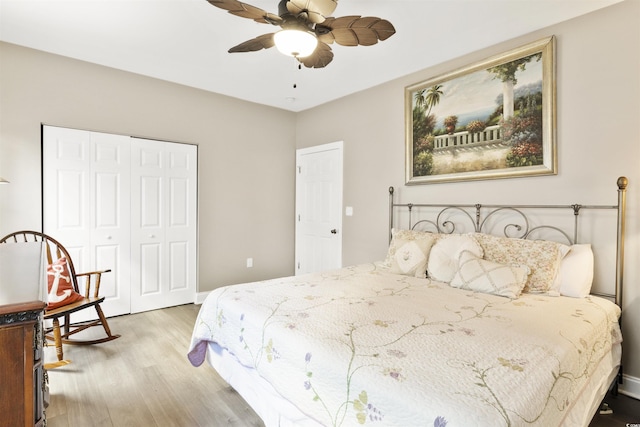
339 146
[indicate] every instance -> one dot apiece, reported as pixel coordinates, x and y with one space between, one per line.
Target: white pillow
480 275
443 259
575 275
409 251
542 256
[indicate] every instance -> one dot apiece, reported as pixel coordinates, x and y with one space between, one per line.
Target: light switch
348 211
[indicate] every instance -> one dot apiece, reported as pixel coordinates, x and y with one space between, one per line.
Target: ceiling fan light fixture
296 43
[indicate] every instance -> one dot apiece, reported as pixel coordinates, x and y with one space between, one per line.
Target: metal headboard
480 216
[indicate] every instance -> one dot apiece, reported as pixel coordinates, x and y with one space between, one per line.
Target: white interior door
163 194
319 208
86 205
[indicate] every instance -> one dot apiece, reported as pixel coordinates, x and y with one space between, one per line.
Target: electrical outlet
249 262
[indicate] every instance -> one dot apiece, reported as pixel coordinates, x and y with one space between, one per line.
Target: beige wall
246 153
598 105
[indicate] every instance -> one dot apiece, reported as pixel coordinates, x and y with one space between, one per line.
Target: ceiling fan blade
244 10
264 41
321 57
317 10
355 30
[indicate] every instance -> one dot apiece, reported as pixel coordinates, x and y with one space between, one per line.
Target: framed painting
492 119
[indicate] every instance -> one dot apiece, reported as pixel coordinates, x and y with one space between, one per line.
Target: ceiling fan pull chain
296 62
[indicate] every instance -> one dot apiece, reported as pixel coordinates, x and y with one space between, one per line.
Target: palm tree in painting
433 97
507 74
421 99
428 98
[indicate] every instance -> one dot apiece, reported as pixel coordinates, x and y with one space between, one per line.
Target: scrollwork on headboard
515 221
518 226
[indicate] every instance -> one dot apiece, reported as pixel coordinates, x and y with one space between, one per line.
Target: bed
454 327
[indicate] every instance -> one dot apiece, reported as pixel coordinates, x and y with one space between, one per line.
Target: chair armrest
93 272
87 282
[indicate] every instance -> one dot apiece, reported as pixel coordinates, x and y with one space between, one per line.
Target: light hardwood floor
142 379
145 379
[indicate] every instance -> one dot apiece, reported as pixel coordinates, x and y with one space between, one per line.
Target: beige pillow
443 259
480 275
541 256
575 274
409 251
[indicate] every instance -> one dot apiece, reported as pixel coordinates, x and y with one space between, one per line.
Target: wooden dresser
21 365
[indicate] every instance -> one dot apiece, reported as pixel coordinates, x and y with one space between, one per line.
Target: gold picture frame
492 119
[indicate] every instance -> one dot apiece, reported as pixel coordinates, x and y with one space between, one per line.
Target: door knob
334 231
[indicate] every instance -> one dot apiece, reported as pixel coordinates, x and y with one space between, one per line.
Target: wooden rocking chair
56 251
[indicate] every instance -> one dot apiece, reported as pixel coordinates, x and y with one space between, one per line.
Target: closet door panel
164 207
70 200
148 230
177 234
86 206
111 255
178 202
107 205
181 228
148 210
179 262
151 274
106 253
151 206
66 172
110 219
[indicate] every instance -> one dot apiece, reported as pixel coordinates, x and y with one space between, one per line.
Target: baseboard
630 386
200 297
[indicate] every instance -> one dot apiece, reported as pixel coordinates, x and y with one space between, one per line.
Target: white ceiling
186 41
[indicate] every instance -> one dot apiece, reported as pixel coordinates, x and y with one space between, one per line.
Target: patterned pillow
541 256
480 275
443 259
409 251
59 285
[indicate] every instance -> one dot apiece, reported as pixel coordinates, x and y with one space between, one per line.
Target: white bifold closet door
163 231
126 204
86 179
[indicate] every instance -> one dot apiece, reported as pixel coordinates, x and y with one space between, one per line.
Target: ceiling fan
307 29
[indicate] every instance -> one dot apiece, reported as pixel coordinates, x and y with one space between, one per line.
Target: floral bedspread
362 346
